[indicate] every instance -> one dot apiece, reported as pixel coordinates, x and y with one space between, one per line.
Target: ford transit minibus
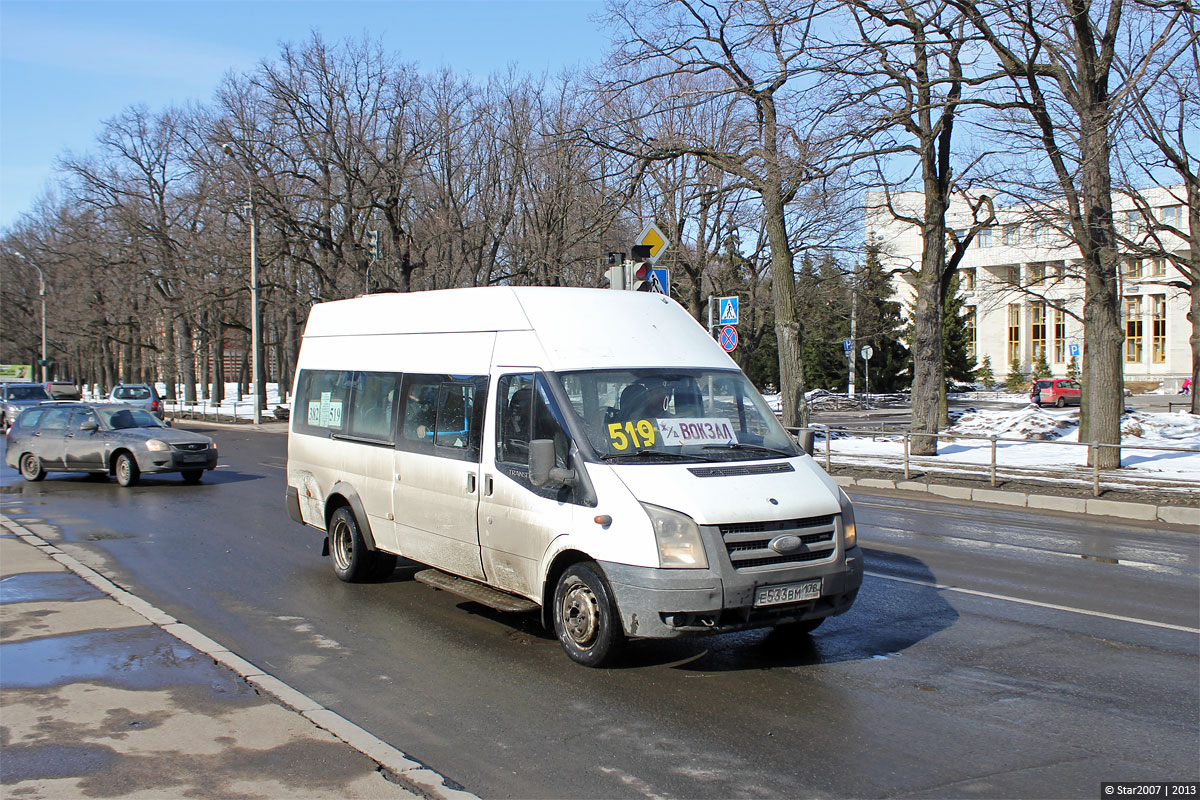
588 454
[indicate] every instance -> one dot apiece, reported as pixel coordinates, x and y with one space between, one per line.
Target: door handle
470 483
487 485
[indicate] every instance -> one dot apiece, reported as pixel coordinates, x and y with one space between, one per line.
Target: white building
1022 284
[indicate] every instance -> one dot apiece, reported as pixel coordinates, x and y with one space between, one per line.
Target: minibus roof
576 328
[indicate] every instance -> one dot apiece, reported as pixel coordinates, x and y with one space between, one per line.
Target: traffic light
373 244
641 277
614 277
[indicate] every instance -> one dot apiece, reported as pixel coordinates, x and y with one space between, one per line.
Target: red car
1058 392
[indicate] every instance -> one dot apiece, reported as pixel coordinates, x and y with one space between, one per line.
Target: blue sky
65 67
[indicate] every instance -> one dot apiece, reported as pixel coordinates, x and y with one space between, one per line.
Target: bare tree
1060 58
1166 116
908 81
758 50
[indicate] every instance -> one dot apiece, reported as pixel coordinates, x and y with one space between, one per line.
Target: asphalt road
991 653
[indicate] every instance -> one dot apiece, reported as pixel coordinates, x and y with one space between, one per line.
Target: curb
409 773
1175 515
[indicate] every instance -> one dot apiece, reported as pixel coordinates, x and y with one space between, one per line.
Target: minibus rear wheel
585 617
352 561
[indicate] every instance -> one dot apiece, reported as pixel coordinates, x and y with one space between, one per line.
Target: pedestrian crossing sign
728 308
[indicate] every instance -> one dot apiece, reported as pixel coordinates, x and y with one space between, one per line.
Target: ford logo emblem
785 545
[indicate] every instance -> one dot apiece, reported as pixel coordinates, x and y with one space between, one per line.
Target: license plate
787 593
191 458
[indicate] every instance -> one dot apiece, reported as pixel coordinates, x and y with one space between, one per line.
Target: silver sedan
104 439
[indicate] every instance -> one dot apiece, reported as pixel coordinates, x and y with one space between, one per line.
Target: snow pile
1030 422
1180 428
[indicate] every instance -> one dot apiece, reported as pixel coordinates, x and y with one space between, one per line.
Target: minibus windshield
675 415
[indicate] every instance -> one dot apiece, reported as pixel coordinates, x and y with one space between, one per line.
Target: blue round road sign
728 338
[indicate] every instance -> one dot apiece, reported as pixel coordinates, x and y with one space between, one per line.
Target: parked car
16 397
104 439
142 395
62 390
1058 392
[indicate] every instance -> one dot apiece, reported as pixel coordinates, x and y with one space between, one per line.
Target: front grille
748 543
190 446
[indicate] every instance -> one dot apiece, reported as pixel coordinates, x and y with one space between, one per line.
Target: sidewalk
104 695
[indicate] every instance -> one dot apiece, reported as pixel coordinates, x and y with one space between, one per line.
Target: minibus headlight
678 537
157 444
849 532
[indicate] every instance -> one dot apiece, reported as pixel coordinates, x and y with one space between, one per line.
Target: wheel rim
123 470
580 614
30 465
343 544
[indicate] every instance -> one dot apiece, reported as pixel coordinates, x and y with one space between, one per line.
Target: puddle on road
45 586
139 658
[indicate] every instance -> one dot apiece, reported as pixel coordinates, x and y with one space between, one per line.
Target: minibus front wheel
585 617
352 561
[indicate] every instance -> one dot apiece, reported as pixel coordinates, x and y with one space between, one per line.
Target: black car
104 439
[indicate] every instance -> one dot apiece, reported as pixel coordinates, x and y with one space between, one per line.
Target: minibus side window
440 415
322 400
525 412
374 406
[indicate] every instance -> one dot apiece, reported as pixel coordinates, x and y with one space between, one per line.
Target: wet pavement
100 700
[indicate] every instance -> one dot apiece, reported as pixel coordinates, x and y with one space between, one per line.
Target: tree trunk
1103 398
928 367
187 358
787 327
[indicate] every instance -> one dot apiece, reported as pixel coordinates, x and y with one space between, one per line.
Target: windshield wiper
654 454
756 447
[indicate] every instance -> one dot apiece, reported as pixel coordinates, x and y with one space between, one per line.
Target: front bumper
657 603
176 461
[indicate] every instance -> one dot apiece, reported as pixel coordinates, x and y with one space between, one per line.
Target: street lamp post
255 334
42 292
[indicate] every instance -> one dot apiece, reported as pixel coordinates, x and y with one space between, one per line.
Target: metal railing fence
820 433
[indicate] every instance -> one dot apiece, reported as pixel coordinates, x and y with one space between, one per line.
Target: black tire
1060 402
192 475
352 561
32 468
126 470
585 617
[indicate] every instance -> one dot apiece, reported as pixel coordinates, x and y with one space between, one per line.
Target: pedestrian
1187 386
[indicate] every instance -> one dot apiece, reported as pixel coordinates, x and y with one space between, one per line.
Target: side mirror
89 425
806 438
542 471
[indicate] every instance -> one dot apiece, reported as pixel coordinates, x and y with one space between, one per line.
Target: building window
1014 333
1158 346
1133 267
1010 275
966 279
1173 216
985 237
969 324
1041 233
1158 267
1059 270
1012 234
1133 330
1035 274
1133 221
1060 336
1037 330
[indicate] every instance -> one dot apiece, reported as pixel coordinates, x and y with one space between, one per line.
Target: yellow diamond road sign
657 240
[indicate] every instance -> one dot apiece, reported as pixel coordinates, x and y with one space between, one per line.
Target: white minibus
590 454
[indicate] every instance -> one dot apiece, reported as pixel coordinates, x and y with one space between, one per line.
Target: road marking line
1039 604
